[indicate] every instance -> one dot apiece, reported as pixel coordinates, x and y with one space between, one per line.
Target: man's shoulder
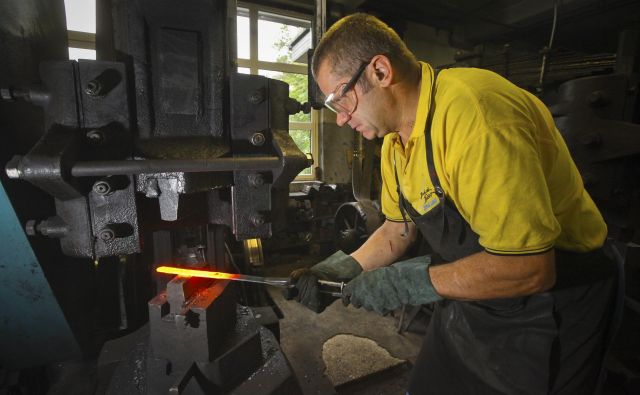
460 89
467 74
484 90
472 81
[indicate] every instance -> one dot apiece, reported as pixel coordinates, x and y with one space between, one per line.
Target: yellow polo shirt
500 160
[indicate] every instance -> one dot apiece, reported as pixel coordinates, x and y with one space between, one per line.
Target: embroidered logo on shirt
426 194
429 198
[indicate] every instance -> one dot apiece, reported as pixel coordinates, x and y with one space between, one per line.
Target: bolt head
93 88
5 94
95 136
106 235
258 219
13 172
30 227
12 168
101 188
258 139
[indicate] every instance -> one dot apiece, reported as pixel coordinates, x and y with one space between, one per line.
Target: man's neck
408 94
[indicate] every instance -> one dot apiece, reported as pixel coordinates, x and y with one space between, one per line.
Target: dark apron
544 343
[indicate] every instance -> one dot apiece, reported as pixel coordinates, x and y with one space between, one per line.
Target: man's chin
369 135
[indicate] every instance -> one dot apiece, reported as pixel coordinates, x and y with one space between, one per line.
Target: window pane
302 138
306 172
243 35
283 39
81 15
80 53
297 90
244 70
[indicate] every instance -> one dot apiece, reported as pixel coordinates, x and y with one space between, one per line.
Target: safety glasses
343 99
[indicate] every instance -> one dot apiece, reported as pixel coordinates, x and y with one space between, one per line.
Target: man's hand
386 289
339 267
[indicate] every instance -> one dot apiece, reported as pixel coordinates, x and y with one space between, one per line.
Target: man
522 288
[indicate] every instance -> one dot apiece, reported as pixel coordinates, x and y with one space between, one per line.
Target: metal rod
327 287
125 167
543 67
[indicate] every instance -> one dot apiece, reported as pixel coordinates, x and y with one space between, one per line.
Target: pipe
124 167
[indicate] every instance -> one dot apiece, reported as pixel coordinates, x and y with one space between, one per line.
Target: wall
336 144
429 45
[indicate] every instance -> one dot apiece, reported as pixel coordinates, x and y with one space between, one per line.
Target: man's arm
485 276
385 246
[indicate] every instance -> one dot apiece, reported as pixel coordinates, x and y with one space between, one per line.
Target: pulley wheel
353 224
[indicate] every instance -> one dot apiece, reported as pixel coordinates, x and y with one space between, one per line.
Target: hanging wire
243 290
547 49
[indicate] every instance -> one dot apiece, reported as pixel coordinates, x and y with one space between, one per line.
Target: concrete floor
380 365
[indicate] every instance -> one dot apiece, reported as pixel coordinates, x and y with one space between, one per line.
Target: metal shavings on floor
348 358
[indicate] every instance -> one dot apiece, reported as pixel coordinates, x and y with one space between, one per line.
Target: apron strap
402 203
428 141
401 200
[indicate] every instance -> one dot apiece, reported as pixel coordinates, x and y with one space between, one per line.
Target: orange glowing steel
196 273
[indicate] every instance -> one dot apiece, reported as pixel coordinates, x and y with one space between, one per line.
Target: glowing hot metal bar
282 282
278 282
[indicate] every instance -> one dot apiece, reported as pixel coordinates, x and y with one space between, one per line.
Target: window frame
255 65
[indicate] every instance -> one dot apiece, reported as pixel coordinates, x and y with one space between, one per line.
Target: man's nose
342 118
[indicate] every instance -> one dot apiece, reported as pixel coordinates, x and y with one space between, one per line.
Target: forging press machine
157 152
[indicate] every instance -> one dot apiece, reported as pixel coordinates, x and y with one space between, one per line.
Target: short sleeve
499 187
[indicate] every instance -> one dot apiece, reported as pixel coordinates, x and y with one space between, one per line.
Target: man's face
365 118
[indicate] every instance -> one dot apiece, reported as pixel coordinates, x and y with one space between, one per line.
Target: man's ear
382 70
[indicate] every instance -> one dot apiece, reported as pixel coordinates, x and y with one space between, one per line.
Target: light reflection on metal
327 287
275 281
196 273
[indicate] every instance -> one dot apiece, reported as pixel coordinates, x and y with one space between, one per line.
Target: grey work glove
339 267
388 288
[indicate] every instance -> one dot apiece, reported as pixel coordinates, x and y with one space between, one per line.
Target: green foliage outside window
297 90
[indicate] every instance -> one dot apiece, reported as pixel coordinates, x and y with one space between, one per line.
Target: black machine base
251 363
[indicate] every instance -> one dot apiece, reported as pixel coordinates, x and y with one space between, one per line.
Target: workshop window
81 28
274 43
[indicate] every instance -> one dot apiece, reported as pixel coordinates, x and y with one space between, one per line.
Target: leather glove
339 267
388 288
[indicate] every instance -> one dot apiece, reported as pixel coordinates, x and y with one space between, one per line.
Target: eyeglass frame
347 87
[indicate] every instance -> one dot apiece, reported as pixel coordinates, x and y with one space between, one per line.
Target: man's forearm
385 246
484 276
